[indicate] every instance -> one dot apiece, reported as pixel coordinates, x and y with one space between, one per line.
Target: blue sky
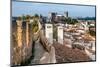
19 8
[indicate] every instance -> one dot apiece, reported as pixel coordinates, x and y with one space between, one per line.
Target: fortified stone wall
21 42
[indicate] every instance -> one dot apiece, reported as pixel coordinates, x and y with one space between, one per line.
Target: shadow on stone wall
21 55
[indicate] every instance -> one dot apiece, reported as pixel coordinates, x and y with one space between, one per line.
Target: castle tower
49 32
66 14
60 34
52 16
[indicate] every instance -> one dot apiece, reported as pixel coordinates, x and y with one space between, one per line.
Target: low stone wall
48 57
42 56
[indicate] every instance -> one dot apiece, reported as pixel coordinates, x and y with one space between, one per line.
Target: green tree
74 21
35 26
19 18
36 15
23 17
71 21
28 18
92 33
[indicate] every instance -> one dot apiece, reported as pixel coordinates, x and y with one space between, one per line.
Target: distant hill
87 18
